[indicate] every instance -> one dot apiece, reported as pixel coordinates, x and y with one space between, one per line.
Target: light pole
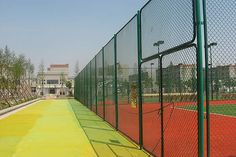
158 43
211 62
151 77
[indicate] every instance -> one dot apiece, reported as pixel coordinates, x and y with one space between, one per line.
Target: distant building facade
53 81
179 78
223 78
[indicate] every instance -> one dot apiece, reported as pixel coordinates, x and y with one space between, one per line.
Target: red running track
180 129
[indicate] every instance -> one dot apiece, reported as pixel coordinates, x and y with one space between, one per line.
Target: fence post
115 82
84 95
86 86
139 34
200 80
96 97
162 111
206 77
91 94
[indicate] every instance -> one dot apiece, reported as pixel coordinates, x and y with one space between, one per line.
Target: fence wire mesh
222 76
89 86
167 23
109 78
127 80
168 114
85 87
93 84
179 74
151 106
99 76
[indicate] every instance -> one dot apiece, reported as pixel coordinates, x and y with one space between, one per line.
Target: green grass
151 99
229 110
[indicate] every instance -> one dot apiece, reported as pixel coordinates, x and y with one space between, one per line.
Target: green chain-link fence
221 81
109 79
154 82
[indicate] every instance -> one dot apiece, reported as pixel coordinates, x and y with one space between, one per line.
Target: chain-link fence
221 77
127 80
109 79
100 83
93 84
154 83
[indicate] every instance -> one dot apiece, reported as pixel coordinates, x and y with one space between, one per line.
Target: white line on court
217 114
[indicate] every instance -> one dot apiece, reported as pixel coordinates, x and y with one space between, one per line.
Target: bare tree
62 81
41 75
76 68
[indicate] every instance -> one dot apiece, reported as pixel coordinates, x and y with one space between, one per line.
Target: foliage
76 70
68 84
14 69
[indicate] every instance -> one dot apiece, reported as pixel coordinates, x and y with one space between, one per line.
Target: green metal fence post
86 87
139 33
96 96
84 73
162 111
103 84
200 80
207 77
91 94
115 81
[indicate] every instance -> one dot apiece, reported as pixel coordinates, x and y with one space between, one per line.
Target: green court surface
61 128
228 110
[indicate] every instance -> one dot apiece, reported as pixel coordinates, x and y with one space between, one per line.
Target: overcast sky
62 31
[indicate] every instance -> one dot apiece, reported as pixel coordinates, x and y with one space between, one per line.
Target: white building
53 81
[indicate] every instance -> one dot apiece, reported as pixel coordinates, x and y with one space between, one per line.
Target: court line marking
217 114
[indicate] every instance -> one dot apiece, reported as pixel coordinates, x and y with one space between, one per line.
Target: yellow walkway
61 128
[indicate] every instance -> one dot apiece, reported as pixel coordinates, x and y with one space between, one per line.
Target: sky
62 31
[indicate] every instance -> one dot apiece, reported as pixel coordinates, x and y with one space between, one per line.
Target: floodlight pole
211 65
158 43
151 77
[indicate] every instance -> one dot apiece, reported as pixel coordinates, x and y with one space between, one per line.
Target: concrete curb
10 109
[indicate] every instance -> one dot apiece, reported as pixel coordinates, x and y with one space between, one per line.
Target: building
224 72
179 78
223 78
53 81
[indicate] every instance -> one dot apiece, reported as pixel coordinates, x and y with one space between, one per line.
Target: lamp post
151 77
211 65
158 43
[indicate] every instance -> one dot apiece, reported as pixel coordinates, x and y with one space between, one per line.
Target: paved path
61 128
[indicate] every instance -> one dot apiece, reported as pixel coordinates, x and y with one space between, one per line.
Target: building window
52 81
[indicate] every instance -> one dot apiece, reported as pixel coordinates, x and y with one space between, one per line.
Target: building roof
229 65
59 66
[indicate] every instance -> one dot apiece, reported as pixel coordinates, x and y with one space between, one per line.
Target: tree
29 71
69 86
41 75
76 68
13 70
229 83
63 81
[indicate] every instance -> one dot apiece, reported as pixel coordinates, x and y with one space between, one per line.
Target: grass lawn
229 110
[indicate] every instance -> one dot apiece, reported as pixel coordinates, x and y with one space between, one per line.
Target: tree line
16 73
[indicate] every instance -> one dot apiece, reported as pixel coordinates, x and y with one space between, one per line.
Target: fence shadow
105 140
